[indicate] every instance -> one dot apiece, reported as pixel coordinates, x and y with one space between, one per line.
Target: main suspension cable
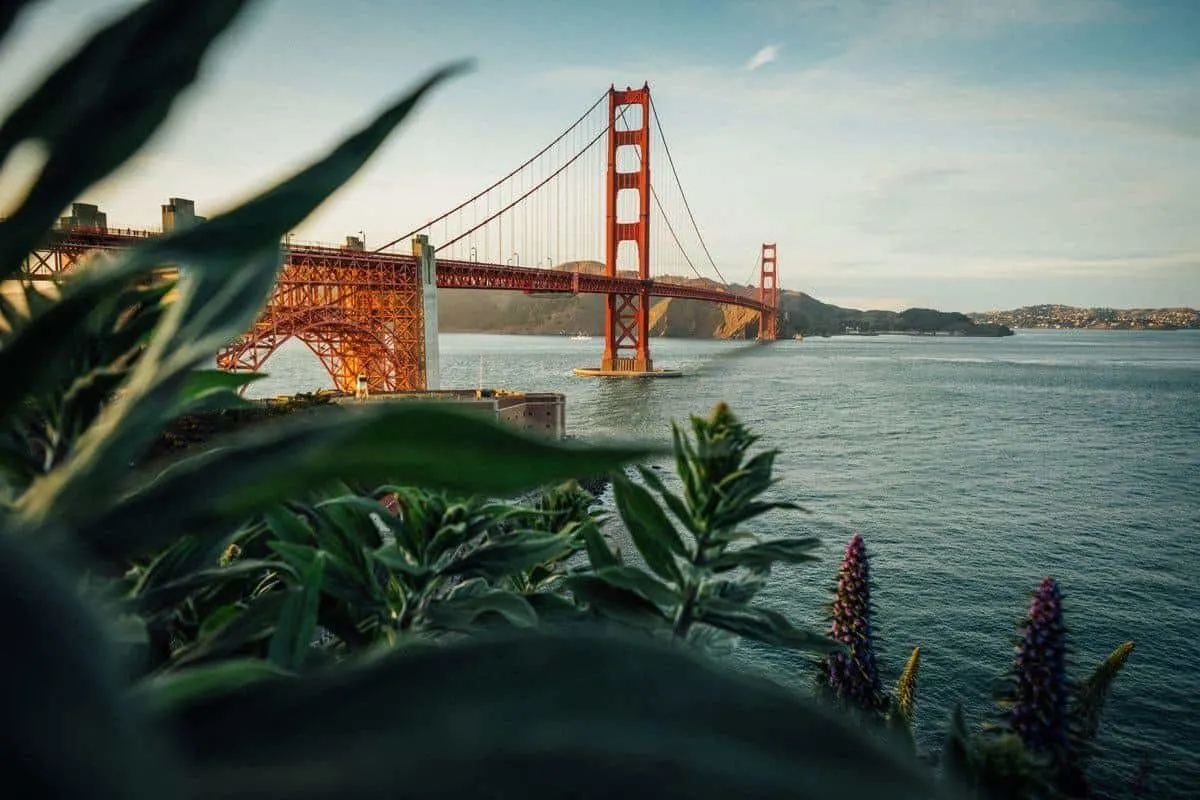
686 205
467 202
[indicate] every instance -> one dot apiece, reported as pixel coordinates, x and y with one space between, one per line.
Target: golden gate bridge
372 313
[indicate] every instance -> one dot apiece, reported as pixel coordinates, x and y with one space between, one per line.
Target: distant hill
475 311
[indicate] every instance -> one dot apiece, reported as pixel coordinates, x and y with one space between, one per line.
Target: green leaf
623 605
294 633
958 766
541 712
674 502
599 553
70 730
287 526
906 687
168 594
635 580
233 631
396 561
102 104
163 693
231 262
738 514
463 613
765 554
423 444
762 625
206 390
338 579
653 534
501 559
1087 706
185 556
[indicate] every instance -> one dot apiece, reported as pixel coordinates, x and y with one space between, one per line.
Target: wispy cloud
763 57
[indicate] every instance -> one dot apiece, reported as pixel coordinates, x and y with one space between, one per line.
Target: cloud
763 57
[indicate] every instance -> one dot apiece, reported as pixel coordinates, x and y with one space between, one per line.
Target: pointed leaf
599 553
674 502
740 513
253 623
231 262
763 625
906 687
1088 706
635 580
502 559
653 534
163 693
293 635
102 104
462 613
623 605
423 444
287 526
395 560
765 554
957 764
171 593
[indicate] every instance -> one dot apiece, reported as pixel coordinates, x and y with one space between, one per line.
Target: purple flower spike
853 676
1040 694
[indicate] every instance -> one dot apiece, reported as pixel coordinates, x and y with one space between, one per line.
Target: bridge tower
768 295
627 316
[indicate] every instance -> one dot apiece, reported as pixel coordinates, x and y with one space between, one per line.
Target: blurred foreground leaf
68 729
427 445
533 716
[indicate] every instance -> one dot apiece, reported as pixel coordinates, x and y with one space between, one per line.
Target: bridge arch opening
345 349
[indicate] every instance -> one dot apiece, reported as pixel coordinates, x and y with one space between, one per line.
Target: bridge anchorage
370 316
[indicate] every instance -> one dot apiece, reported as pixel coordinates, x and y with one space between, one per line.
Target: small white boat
581 337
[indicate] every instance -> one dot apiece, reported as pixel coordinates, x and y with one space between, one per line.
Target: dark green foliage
515 716
69 731
698 577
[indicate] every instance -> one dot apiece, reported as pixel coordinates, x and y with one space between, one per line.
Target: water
974 468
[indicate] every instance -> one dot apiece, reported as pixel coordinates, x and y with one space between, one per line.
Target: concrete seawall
543 413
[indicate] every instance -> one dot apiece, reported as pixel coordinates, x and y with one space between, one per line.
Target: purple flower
1040 695
853 676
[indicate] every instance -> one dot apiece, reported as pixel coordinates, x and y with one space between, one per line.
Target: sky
955 154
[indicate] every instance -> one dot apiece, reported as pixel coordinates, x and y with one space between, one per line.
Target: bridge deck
451 274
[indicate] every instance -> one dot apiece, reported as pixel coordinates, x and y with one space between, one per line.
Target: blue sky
960 154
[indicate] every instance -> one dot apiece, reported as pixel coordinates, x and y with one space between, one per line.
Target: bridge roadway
451 274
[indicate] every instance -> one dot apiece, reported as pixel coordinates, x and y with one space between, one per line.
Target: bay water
973 467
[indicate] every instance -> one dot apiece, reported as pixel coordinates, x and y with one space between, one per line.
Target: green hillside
469 310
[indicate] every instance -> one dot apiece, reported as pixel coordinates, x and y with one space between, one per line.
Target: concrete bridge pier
427 279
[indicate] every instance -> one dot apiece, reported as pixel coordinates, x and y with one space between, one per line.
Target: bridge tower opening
768 295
